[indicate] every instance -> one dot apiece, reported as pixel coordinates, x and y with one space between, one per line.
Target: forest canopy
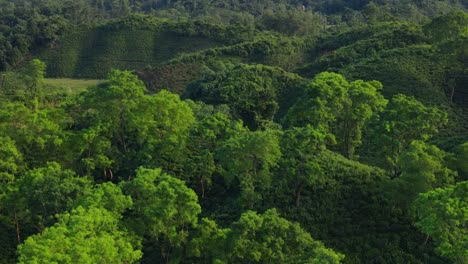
141 131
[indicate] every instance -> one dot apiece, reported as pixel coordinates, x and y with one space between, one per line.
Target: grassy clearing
71 85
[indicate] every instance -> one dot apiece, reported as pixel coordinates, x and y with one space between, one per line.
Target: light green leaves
443 215
268 238
164 208
423 168
42 193
123 128
10 159
405 119
88 236
299 166
342 108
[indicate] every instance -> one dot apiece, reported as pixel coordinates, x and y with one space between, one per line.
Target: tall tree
32 201
366 102
247 160
324 100
423 168
207 133
83 236
254 93
405 119
459 159
208 243
298 165
10 160
164 210
106 195
268 238
343 108
122 128
34 74
38 133
162 124
442 214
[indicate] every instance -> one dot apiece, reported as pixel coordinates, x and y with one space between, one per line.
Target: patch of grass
70 85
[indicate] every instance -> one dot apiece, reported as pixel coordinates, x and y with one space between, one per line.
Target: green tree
83 236
106 195
251 98
442 214
104 112
122 128
207 133
405 119
366 102
164 210
254 93
163 124
324 100
246 161
300 146
423 168
268 238
10 160
38 134
448 26
459 159
343 108
209 242
34 198
34 80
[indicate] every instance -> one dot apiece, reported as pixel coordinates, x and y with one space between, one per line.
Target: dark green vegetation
233 132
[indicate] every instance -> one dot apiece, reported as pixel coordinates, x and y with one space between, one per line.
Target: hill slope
132 43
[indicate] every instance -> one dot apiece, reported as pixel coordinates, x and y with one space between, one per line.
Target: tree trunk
452 93
396 172
202 185
425 241
298 194
18 237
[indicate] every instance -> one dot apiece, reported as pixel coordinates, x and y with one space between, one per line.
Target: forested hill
148 131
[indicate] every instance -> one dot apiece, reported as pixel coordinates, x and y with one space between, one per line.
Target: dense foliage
234 132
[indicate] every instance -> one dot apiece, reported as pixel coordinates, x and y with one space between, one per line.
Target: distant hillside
133 43
268 49
406 59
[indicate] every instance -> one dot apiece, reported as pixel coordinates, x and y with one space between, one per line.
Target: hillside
286 131
133 43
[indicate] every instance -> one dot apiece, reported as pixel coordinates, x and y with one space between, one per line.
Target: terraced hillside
130 44
92 53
